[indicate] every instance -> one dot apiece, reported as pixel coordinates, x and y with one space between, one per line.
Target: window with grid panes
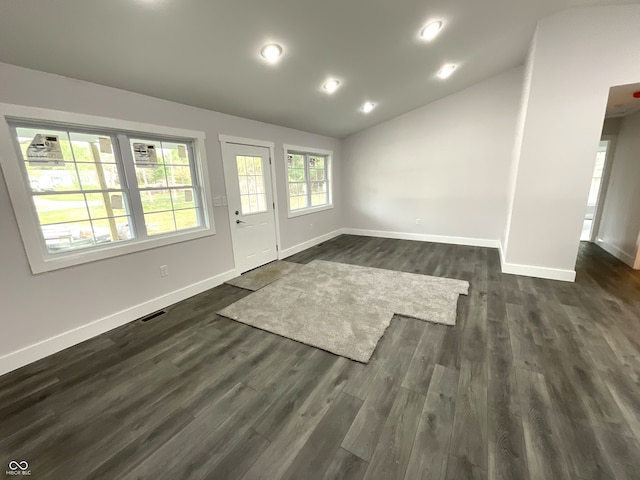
308 180
166 185
94 188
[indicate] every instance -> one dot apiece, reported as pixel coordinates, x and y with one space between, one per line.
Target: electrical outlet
418 221
164 270
224 201
217 201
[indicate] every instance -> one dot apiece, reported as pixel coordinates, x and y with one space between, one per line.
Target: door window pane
253 198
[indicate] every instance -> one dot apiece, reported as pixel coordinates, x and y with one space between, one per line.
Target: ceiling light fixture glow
368 106
331 86
446 71
431 31
271 53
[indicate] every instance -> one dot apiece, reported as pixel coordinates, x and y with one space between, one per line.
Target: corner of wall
517 142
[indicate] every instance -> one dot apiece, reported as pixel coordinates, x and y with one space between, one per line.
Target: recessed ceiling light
431 31
271 53
446 70
368 106
331 86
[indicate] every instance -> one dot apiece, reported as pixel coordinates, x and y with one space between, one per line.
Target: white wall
578 55
38 307
620 224
446 163
517 143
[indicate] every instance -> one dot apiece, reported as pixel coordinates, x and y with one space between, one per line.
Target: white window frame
329 168
39 258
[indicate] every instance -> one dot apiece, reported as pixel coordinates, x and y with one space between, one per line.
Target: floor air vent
153 315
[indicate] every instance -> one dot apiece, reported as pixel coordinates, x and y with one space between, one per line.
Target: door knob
240 221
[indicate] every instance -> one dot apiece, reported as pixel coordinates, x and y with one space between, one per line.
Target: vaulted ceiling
206 53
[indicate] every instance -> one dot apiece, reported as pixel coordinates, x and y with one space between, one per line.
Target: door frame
604 186
252 142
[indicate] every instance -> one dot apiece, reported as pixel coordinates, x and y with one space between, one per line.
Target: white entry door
251 205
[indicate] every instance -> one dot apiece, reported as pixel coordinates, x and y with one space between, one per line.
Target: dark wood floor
538 380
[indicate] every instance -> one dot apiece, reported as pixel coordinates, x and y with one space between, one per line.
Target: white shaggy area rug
345 309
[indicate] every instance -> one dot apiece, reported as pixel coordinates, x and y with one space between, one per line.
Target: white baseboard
423 237
616 252
537 272
509 268
30 354
287 252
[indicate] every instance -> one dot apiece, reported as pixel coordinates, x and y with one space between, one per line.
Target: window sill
307 211
64 260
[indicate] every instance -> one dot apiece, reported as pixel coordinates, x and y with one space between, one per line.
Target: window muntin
308 180
84 197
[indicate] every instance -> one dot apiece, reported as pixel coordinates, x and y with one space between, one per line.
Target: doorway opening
612 218
592 215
